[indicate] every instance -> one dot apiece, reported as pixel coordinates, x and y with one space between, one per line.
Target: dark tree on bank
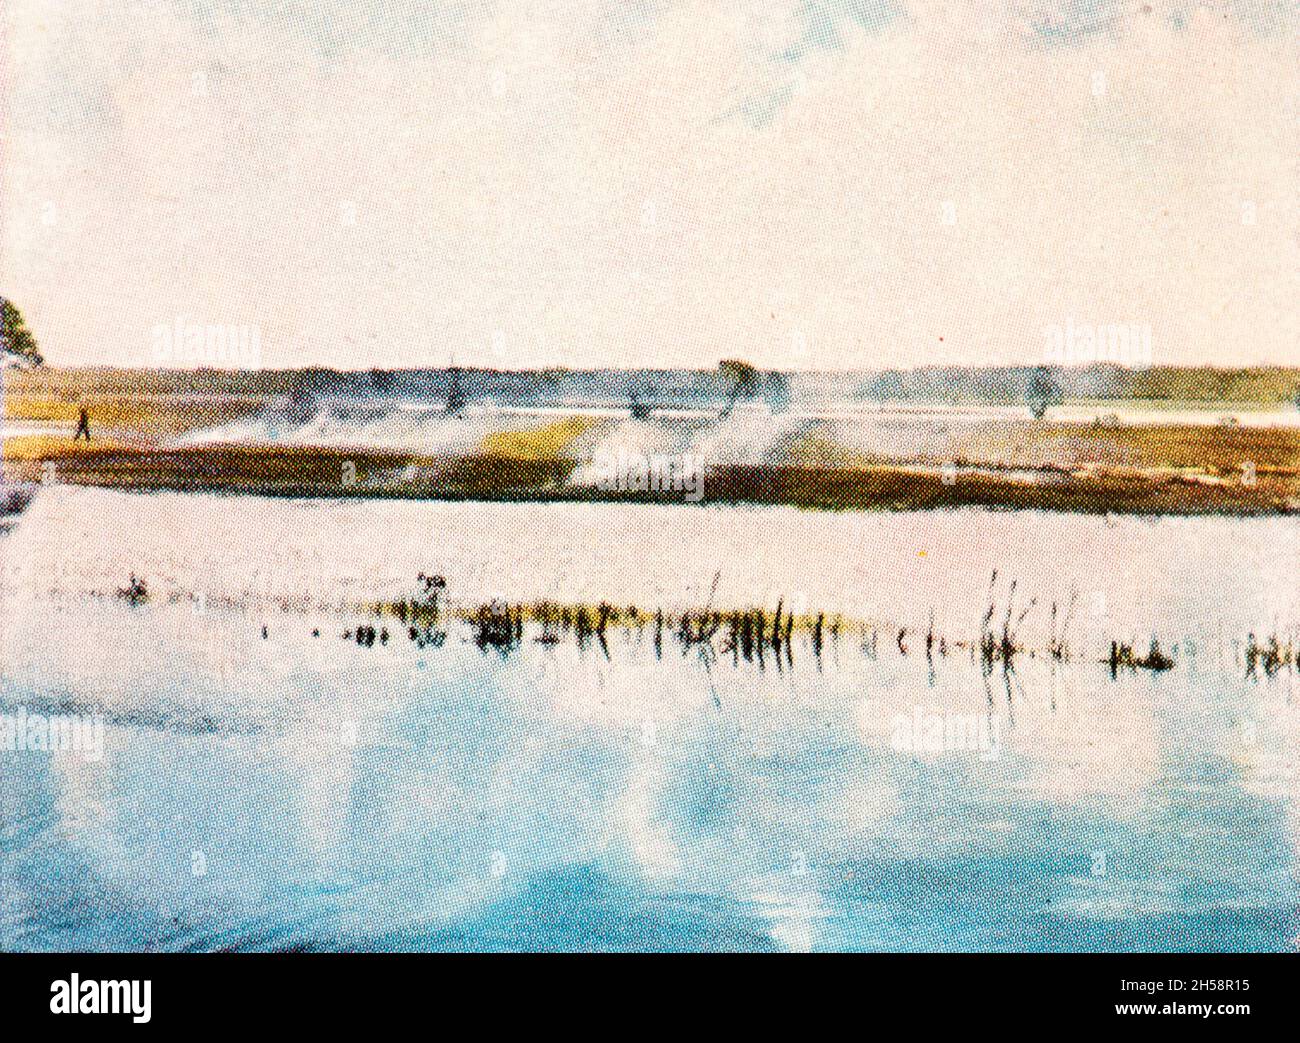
15 338
743 380
1042 391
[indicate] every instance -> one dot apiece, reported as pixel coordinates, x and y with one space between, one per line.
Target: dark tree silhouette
15 338
743 379
1042 391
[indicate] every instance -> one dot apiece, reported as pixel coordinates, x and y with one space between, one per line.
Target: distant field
897 462
1268 386
152 415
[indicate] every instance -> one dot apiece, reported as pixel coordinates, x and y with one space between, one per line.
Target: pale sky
808 184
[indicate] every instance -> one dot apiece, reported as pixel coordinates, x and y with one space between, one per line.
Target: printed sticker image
672 475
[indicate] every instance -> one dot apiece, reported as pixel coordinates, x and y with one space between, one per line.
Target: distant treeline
1263 385
669 387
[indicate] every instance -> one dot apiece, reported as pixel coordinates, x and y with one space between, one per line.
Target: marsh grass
1122 656
546 444
1169 470
1274 654
749 636
777 638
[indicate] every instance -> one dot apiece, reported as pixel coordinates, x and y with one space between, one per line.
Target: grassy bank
336 473
1167 468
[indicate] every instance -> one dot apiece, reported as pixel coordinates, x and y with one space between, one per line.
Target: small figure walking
83 424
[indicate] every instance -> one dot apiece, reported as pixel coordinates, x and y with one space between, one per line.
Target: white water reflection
556 797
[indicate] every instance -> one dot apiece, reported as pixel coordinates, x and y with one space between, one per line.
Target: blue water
301 792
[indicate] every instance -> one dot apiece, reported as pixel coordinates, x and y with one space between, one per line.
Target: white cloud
574 187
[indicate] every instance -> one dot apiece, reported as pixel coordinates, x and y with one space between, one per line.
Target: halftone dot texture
747 555
809 184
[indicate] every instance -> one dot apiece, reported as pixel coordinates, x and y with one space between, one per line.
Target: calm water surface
306 792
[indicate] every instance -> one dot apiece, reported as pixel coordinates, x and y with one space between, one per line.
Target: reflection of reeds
1122 655
497 626
749 634
1271 656
1056 643
1002 647
756 636
136 592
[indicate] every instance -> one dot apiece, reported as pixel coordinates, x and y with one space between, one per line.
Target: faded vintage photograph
649 475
